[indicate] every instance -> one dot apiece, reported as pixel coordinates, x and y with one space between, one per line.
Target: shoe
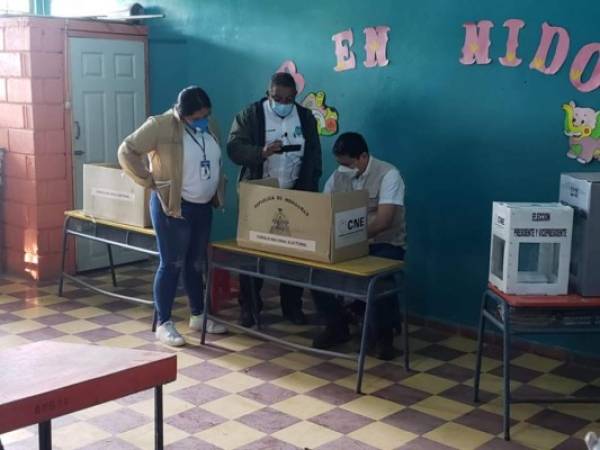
246 318
332 336
212 327
297 317
385 338
168 335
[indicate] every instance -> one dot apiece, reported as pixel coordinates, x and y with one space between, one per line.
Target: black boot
387 352
246 316
334 334
293 312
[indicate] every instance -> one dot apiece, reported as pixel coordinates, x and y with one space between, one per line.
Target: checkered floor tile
238 392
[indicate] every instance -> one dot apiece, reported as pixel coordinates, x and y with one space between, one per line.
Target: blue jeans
182 244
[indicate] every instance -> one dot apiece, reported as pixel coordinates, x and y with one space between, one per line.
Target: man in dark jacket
256 140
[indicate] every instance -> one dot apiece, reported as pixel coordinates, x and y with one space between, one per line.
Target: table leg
255 303
480 338
154 319
45 435
365 332
207 300
61 280
112 265
506 369
158 418
405 336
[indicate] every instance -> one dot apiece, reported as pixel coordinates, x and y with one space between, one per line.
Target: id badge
205 170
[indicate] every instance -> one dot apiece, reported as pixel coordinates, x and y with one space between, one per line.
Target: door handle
78 152
77 130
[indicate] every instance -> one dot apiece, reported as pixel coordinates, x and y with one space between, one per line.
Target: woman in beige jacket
179 158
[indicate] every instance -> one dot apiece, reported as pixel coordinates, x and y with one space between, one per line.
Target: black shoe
387 353
296 317
246 318
331 336
385 338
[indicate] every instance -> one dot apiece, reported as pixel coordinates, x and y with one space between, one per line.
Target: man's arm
383 219
240 147
391 197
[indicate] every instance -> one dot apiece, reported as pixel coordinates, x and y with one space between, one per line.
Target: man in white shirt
386 230
276 138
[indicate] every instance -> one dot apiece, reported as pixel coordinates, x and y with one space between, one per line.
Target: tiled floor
239 392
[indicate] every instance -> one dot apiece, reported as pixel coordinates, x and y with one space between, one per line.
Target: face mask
282 109
353 171
200 124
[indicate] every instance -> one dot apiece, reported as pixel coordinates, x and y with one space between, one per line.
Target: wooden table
533 314
45 380
366 279
129 237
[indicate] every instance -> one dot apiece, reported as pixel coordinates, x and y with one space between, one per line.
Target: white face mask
348 170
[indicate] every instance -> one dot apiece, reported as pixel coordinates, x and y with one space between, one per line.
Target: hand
273 147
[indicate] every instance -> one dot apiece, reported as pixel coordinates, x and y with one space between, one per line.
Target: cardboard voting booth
320 227
108 193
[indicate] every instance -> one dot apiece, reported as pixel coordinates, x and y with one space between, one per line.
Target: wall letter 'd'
562 48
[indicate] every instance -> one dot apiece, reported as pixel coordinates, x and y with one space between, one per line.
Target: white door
108 96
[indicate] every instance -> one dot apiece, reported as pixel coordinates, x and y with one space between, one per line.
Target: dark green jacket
247 139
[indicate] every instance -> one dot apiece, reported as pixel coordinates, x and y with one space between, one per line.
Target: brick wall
33 128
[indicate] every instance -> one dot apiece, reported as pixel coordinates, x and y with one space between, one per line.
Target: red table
533 314
45 380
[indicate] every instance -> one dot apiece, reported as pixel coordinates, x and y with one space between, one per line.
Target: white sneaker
168 335
196 323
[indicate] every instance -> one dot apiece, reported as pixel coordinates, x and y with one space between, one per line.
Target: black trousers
386 310
291 296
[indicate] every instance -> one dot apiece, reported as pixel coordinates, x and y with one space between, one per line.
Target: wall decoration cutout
345 57
376 39
327 117
477 43
560 54
290 67
510 59
582 126
579 65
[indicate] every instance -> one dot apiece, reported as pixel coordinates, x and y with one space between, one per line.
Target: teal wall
462 136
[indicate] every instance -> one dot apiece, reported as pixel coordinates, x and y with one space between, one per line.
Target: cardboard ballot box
108 193
582 192
531 248
319 227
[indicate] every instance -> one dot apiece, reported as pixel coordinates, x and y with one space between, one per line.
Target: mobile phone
290 148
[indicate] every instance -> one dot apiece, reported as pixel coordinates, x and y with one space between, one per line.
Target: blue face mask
200 124
282 109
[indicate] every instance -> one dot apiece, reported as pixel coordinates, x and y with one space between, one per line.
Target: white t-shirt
391 191
199 184
283 166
